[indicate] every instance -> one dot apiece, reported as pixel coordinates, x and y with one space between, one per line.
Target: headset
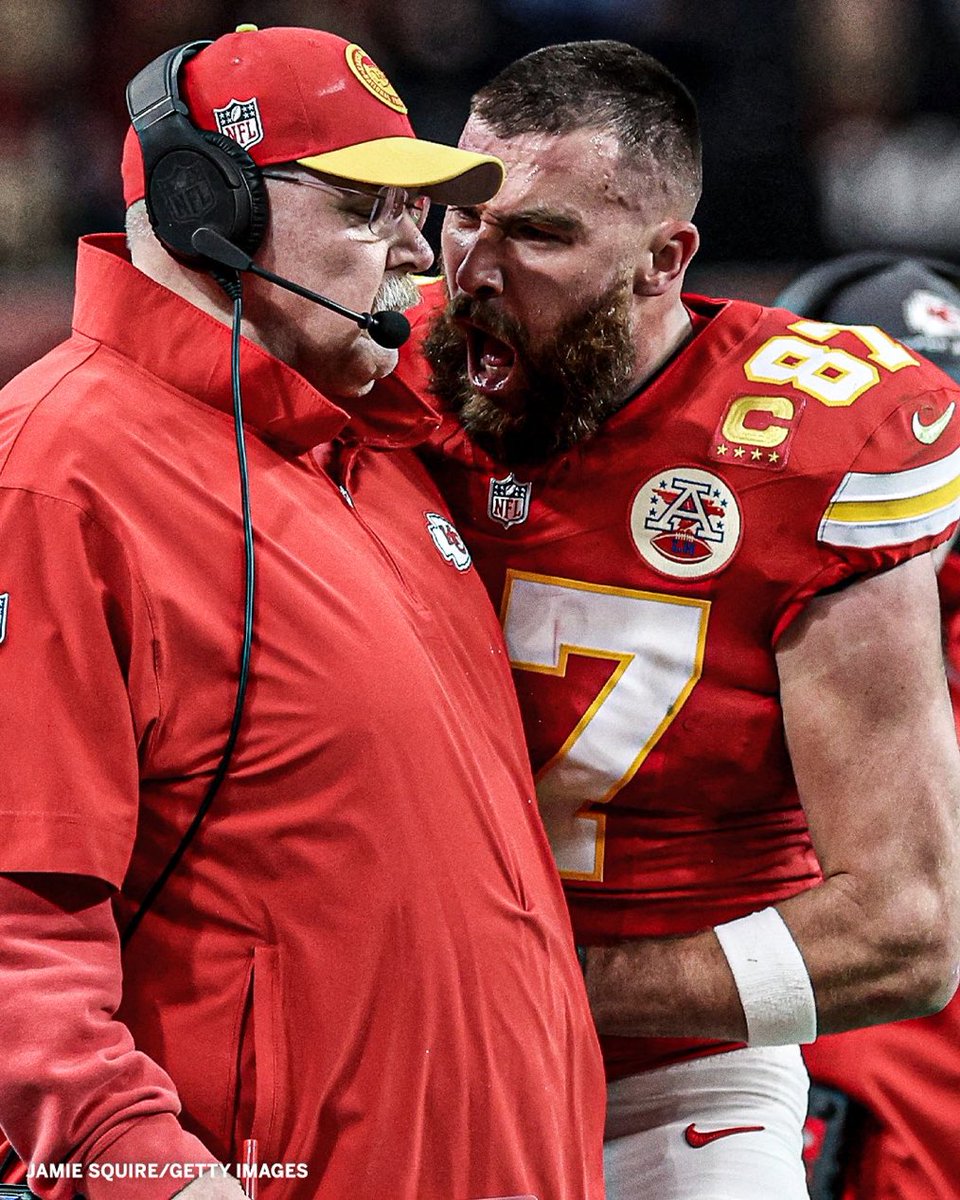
810 294
195 178
206 197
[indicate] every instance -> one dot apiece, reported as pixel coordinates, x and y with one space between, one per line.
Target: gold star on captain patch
756 455
774 456
738 453
721 449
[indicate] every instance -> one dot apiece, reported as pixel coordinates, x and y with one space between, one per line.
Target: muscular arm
873 745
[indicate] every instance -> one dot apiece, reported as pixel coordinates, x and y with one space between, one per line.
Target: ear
671 246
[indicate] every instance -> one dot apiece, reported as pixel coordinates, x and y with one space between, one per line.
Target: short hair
605 85
137 223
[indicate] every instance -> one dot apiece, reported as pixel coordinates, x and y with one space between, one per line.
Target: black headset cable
230 282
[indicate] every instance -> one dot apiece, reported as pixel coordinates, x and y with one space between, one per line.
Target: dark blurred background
829 125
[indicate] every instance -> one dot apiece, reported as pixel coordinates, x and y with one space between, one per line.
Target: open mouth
490 361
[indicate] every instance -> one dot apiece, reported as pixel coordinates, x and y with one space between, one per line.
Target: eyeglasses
387 204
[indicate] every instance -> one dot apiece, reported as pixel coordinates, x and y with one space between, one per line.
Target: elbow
930 986
938 972
922 947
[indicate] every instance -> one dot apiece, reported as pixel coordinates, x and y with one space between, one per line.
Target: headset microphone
389 329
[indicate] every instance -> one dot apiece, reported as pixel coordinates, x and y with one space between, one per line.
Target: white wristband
772 979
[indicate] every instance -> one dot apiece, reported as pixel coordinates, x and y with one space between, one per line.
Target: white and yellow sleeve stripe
868 511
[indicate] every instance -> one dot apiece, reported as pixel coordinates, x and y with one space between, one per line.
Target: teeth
490 361
495 352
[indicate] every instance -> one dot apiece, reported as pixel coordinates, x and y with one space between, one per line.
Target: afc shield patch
508 501
685 522
240 120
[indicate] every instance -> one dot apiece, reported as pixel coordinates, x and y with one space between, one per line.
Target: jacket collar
189 349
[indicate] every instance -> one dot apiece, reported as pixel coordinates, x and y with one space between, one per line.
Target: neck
197 287
661 337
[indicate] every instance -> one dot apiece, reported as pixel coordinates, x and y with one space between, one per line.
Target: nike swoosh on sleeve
928 434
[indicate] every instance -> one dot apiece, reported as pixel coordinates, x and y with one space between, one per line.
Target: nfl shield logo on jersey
508 501
685 522
240 120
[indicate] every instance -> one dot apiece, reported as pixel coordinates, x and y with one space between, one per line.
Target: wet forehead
571 173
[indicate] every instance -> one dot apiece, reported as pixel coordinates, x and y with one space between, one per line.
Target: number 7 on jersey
657 643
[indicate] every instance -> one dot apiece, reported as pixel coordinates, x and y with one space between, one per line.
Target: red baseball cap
302 95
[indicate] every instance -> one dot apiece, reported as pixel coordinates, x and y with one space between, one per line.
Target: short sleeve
901 495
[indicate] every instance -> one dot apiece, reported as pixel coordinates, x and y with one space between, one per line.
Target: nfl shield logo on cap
508 501
240 120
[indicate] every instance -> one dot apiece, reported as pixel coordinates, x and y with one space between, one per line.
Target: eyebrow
538 214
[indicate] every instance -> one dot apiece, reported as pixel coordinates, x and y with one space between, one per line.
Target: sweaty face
571 382
538 343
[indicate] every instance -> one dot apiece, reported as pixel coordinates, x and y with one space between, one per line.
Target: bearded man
707 527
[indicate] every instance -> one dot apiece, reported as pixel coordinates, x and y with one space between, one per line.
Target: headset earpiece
212 183
194 177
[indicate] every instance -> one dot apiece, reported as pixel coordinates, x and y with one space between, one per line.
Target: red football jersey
643 580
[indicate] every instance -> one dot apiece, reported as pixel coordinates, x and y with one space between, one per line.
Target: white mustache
397 293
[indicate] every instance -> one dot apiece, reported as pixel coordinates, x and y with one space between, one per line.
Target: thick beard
574 381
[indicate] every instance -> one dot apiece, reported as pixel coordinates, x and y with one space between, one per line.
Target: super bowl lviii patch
372 78
685 522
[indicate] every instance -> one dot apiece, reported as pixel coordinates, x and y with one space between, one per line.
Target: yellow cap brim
446 174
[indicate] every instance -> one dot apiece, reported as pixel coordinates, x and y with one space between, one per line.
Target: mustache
397 293
485 316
